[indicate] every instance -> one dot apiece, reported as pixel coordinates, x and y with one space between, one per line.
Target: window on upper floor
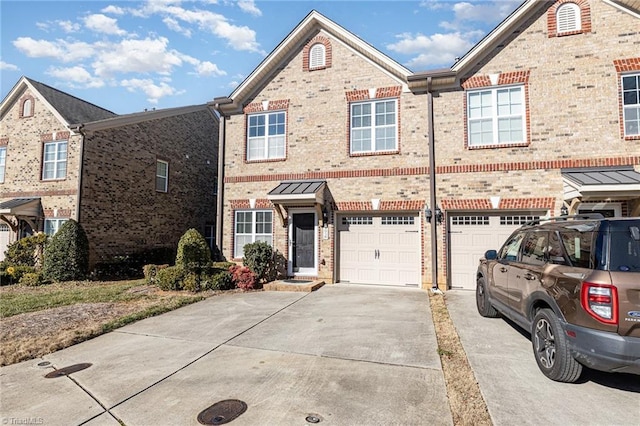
568 18
631 104
51 226
374 126
27 107
266 136
3 162
54 164
252 226
162 176
496 116
317 56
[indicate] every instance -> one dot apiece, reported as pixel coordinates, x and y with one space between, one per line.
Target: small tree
66 257
193 251
259 258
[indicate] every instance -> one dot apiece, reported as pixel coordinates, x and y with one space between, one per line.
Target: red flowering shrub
242 277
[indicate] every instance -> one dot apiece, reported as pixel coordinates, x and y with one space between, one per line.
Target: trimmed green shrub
32 279
25 251
191 282
14 273
151 272
66 257
243 277
259 258
193 251
223 265
218 280
170 278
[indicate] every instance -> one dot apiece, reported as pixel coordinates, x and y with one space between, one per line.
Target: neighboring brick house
135 182
326 144
541 117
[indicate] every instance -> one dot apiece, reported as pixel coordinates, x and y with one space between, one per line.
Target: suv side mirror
491 255
635 233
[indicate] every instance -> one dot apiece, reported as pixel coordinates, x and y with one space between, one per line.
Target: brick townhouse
135 182
326 145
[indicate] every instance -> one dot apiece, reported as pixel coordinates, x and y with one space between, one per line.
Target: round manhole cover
222 412
68 370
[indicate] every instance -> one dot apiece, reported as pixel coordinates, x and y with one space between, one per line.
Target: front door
303 244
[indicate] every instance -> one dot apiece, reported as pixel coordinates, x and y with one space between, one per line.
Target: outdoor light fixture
430 215
564 211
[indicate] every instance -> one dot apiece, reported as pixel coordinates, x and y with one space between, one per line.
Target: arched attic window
568 18
27 108
317 56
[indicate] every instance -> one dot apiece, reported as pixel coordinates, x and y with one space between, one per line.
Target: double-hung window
631 104
51 226
496 116
374 126
252 226
3 162
266 136
55 160
162 176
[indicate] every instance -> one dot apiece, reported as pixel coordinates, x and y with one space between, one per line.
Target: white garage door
379 249
473 234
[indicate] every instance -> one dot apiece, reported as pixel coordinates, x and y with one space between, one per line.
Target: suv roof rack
583 216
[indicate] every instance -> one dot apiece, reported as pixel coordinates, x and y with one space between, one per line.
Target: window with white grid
266 136
496 116
357 220
252 226
568 18
470 220
631 104
398 220
517 220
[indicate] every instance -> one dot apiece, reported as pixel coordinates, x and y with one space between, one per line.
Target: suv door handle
529 277
503 269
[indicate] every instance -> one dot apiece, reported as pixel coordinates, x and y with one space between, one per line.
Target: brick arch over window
327 52
27 106
585 18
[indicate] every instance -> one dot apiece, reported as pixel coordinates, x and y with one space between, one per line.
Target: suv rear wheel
482 300
551 349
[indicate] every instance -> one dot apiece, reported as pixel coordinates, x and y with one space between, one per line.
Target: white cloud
68 26
207 68
429 51
487 12
174 25
76 76
114 10
141 56
153 91
65 51
250 7
8 67
103 24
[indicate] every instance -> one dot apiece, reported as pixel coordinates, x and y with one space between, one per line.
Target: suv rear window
578 243
625 246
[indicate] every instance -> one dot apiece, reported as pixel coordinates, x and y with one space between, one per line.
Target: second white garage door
473 234
381 249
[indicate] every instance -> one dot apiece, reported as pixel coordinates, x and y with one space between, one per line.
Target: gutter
78 128
222 135
432 189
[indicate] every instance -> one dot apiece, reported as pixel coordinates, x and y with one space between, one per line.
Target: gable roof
291 45
66 107
497 36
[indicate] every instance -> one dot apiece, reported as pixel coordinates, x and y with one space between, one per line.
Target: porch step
293 285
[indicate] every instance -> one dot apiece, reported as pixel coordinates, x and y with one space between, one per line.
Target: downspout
222 134
432 190
78 129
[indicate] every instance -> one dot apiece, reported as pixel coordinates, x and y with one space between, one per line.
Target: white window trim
629 106
56 223
267 136
317 60
254 235
165 177
373 127
570 10
27 107
55 161
595 206
3 162
495 118
303 271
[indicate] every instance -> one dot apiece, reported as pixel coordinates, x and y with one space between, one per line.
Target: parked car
574 283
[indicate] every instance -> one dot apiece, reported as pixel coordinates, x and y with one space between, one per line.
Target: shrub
66 257
191 282
151 272
32 279
223 265
242 277
193 251
26 251
218 280
17 272
170 278
259 258
127 266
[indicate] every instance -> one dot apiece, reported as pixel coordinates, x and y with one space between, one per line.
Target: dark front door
303 241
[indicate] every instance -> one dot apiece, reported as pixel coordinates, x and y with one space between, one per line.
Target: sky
128 56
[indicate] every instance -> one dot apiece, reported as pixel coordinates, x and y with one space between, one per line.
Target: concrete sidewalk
517 392
348 355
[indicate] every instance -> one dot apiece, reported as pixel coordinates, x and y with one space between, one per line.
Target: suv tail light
600 301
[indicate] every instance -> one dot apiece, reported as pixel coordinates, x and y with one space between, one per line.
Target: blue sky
126 56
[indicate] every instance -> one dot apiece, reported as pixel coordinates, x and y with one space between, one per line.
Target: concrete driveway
517 392
347 355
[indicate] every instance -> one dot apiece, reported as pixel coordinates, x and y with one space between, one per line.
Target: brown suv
574 283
